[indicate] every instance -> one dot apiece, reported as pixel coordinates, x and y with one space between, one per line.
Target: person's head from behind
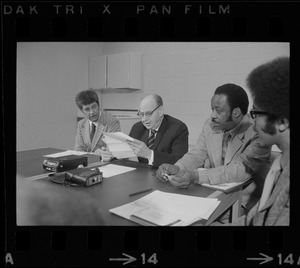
88 102
46 203
269 85
151 111
229 104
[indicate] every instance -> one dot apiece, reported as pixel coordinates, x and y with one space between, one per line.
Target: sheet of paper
223 186
119 149
118 136
68 152
163 208
157 216
113 170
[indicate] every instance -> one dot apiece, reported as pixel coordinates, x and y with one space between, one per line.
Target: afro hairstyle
269 85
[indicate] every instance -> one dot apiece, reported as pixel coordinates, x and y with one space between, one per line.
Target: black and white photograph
151 133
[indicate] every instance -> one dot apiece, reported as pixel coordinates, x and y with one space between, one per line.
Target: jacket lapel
282 181
238 139
233 147
215 142
86 135
160 133
99 131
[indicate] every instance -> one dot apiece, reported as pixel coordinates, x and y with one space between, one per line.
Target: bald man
158 137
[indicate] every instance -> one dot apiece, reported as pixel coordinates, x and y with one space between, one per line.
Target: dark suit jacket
171 141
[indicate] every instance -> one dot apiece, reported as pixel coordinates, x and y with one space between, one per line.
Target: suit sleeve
178 148
195 157
254 158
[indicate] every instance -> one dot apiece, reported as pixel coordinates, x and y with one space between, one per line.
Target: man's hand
140 148
166 169
105 154
183 178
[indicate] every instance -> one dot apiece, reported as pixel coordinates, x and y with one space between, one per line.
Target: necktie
151 139
93 131
226 138
269 182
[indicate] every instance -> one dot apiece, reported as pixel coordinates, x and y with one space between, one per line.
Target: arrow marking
129 259
264 260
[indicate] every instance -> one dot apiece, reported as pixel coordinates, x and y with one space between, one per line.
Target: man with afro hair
269 85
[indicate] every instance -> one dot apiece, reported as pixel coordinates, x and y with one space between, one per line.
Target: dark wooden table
114 191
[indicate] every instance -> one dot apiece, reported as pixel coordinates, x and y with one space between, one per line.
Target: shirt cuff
150 161
201 179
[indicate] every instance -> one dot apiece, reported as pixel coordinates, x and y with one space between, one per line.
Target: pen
140 192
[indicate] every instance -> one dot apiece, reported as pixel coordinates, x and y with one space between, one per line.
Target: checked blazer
245 157
106 123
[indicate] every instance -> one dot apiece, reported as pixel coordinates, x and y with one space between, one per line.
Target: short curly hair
269 85
236 96
86 97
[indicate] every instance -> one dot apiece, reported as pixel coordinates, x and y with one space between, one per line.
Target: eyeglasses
147 114
254 113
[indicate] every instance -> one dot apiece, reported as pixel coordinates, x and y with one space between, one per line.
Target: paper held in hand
167 209
116 143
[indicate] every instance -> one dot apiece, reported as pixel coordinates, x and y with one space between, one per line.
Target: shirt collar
95 123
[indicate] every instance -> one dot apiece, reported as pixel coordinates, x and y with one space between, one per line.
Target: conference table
115 191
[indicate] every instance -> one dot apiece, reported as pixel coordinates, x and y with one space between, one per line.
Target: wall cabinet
116 71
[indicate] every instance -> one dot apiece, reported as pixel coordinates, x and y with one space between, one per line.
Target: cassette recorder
83 177
64 163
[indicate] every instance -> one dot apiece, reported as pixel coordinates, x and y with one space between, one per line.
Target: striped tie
93 131
151 139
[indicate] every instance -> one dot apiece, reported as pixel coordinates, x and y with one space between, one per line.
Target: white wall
186 74
49 75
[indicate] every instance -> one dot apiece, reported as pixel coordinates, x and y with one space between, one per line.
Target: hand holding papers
160 208
117 144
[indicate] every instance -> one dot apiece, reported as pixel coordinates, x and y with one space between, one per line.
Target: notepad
167 209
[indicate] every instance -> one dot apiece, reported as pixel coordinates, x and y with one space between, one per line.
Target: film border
267 21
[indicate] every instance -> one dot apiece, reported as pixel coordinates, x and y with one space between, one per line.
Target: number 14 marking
289 259
152 259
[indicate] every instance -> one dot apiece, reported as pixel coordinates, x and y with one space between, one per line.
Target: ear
236 112
283 124
161 110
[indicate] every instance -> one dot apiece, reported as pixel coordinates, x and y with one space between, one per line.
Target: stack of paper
116 143
65 153
167 209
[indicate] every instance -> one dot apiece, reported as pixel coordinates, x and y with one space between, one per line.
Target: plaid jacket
106 123
245 157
